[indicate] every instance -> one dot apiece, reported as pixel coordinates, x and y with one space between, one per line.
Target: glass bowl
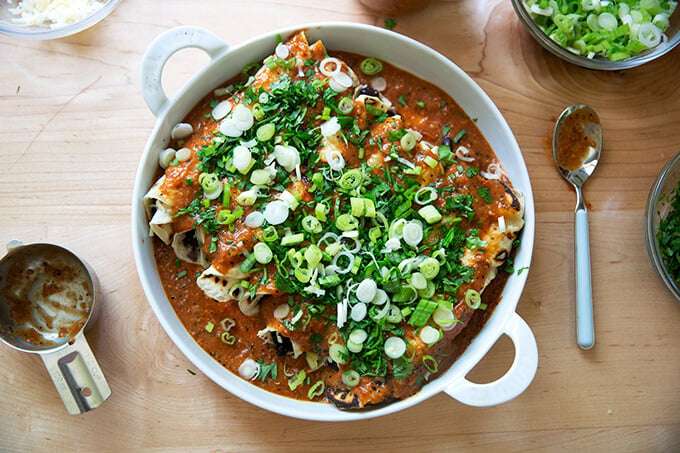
46 31
673 34
658 204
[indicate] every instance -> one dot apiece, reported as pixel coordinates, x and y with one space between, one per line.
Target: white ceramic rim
418 59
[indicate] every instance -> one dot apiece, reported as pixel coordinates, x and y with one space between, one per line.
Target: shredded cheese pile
55 13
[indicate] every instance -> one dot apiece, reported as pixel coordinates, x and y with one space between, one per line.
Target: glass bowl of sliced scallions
662 226
603 34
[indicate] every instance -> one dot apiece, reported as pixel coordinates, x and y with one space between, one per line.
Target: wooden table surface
74 125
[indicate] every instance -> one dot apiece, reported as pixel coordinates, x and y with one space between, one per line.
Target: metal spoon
577 143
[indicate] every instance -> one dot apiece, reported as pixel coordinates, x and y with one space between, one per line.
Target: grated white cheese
54 13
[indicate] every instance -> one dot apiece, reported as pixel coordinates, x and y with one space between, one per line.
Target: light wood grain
74 125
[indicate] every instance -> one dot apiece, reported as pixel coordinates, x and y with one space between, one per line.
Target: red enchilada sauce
436 115
574 141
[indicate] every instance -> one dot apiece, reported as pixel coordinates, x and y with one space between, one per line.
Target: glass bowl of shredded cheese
51 19
603 34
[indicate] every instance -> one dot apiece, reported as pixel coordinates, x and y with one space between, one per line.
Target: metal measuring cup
47 297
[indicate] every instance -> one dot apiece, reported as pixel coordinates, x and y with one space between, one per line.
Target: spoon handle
585 330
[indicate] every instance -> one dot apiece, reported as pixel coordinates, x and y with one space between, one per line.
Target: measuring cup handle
77 376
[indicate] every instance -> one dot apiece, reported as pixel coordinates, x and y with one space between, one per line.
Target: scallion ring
263 254
408 142
473 299
429 267
316 390
395 347
346 105
351 378
425 195
430 363
338 353
371 66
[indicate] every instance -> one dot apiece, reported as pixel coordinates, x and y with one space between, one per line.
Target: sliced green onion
418 281
425 195
247 198
346 105
431 161
248 263
615 30
408 141
302 274
317 182
292 239
270 234
354 347
266 132
362 207
338 353
395 347
351 378
311 224
346 222
428 291
209 327
261 177
422 313
263 254
366 290
330 280
371 66
430 214
316 390
358 335
430 363
374 234
228 338
313 255
210 182
473 299
351 179
296 380
258 112
413 233
227 217
429 335
226 195
429 267
394 315
320 211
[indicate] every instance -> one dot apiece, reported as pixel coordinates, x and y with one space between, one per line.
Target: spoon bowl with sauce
47 297
577 144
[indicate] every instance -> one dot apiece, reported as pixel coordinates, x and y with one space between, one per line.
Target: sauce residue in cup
575 141
49 296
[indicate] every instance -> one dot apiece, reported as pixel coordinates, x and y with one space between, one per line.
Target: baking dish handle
160 51
514 382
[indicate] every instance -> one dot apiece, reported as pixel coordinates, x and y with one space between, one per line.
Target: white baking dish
225 62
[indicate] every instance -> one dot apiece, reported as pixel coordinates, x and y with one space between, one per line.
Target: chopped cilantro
484 193
668 236
471 171
390 23
267 370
